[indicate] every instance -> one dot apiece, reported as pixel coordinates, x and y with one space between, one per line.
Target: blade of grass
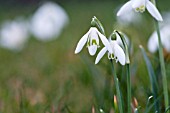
167 109
152 77
97 78
152 105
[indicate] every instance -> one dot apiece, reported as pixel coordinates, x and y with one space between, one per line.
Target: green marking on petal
88 43
94 42
110 56
140 9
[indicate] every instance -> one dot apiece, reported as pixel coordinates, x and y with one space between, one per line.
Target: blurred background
39 71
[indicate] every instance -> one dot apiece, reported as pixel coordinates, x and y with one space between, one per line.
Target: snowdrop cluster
111 46
46 24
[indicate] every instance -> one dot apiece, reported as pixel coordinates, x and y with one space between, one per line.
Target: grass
47 77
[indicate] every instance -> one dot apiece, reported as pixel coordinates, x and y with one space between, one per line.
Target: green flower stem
128 87
127 70
162 62
120 104
163 70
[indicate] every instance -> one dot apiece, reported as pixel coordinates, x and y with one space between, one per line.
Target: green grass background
47 77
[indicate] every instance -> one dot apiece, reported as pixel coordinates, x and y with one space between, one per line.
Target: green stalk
162 62
128 87
120 104
163 70
127 70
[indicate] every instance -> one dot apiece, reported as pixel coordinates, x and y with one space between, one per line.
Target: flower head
48 22
14 34
117 52
140 6
91 38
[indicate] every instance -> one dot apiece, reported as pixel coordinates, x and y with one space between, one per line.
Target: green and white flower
140 6
117 53
91 38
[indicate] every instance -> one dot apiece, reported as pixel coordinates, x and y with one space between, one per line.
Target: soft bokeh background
46 76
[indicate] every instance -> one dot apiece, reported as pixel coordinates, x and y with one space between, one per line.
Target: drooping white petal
92 49
125 8
138 3
100 55
81 43
119 53
153 11
105 42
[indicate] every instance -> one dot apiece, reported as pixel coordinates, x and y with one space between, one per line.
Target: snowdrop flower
92 40
48 21
139 6
14 34
118 53
165 38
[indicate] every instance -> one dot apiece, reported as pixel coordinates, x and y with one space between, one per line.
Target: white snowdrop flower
48 21
139 6
165 38
92 40
14 34
117 54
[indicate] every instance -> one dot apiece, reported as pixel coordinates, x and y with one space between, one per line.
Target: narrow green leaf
152 77
167 109
152 105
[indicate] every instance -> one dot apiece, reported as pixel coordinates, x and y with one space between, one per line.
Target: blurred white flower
165 38
92 40
166 17
129 18
139 6
14 34
117 53
48 21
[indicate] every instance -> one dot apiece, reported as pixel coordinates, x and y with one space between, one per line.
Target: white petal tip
118 14
160 19
123 64
76 51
